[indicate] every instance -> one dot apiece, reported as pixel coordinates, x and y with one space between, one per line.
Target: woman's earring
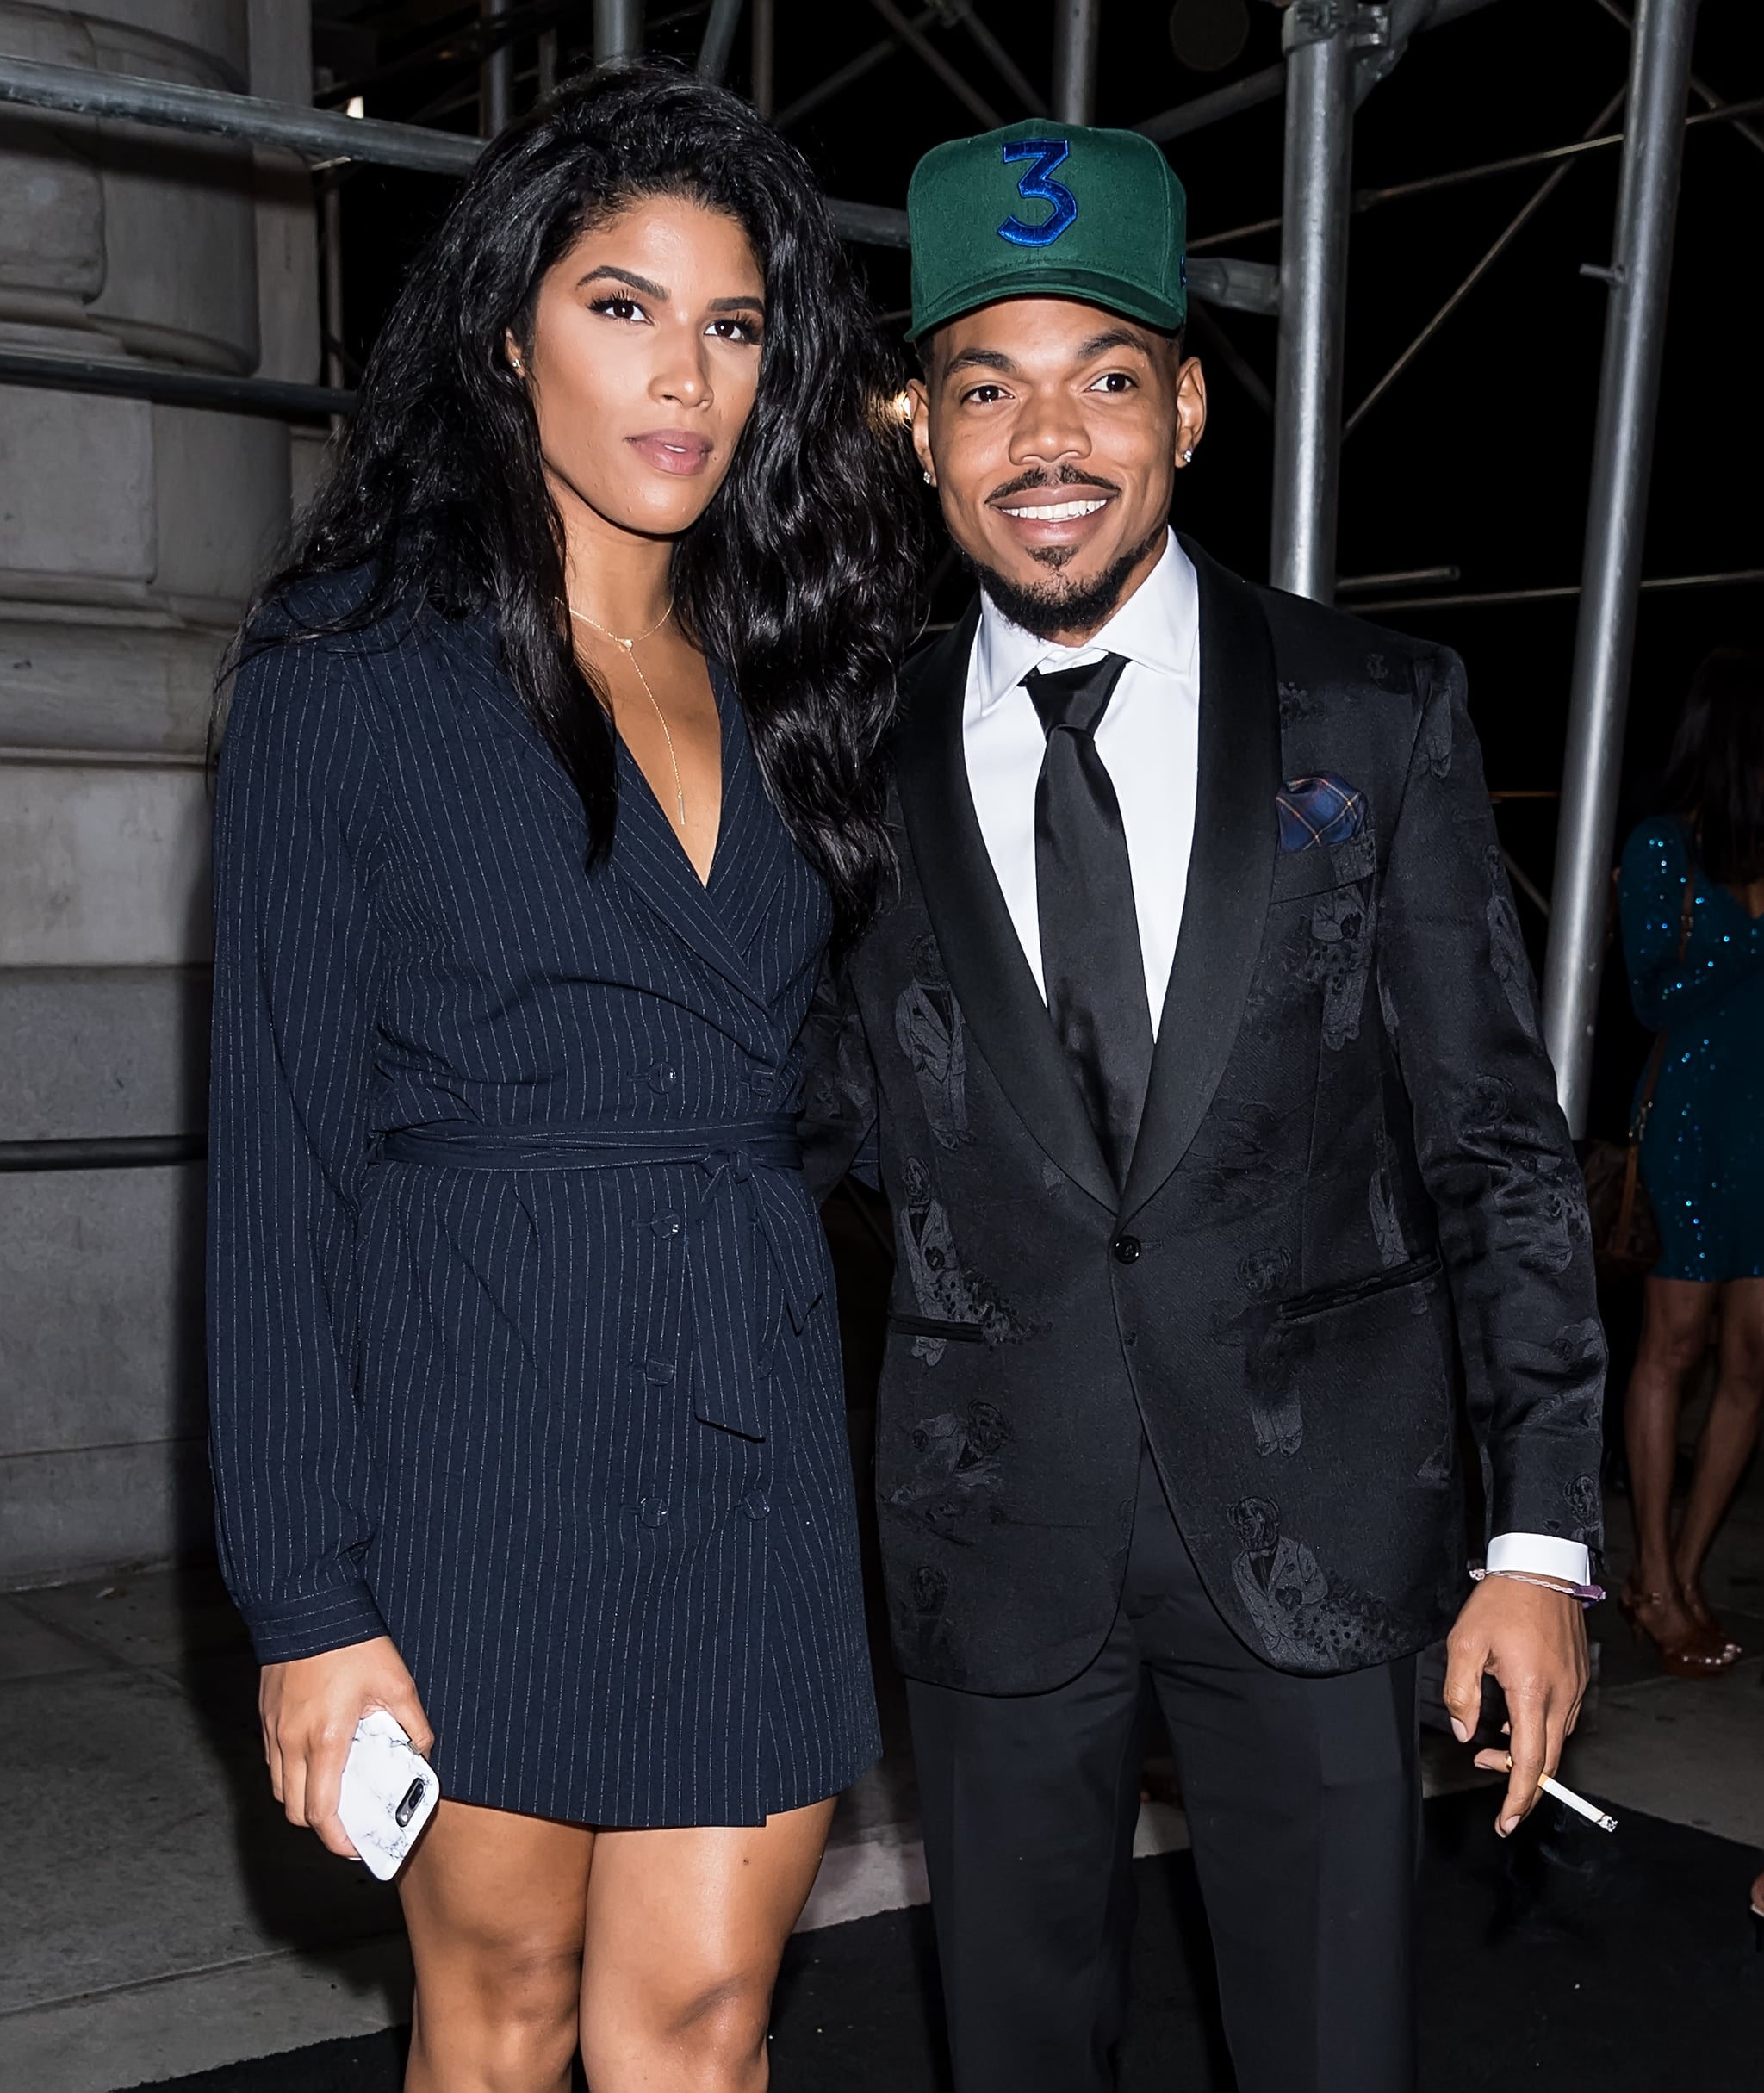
1188 456
930 481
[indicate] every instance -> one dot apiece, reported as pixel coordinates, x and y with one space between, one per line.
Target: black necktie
1091 957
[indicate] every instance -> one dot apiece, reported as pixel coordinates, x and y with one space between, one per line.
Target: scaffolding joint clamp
1315 21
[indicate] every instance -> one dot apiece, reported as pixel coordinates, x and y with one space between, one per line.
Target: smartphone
389 1792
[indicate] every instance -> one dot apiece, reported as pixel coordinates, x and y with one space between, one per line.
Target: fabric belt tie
745 1163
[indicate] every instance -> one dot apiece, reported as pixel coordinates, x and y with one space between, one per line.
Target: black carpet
1566 1960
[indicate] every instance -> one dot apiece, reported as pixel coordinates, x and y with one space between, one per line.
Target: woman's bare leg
1674 1334
1730 1432
685 1931
494 1902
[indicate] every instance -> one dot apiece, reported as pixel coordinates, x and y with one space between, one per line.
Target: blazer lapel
979 942
658 873
754 849
1231 869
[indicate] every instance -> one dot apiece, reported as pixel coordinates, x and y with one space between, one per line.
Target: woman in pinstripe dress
549 771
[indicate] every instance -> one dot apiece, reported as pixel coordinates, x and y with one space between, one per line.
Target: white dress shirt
1149 740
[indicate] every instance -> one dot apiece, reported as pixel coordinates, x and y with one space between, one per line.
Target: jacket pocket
930 1327
1298 874
1322 1300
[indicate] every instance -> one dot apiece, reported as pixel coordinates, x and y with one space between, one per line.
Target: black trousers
1302 1797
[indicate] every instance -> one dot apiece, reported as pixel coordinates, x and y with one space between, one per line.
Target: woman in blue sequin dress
1703 1147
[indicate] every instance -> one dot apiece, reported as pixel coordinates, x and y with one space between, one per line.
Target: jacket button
755 1504
667 1226
1126 1249
663 1075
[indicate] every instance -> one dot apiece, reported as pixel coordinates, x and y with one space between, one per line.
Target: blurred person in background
1691 895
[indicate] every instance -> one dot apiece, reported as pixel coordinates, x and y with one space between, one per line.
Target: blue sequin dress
1702 1153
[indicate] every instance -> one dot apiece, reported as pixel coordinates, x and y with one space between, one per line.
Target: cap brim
1089 286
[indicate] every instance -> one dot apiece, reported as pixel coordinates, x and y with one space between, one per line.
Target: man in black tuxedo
1199 1057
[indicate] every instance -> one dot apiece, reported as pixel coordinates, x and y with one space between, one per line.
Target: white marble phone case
389 1792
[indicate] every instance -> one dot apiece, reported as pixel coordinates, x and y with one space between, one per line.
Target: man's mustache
1068 476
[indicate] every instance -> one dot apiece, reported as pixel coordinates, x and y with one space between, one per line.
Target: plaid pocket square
1322 810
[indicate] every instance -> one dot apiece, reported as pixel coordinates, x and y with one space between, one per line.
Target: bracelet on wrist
1588 1595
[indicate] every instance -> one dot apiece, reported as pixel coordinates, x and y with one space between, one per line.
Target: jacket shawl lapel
987 970
1231 870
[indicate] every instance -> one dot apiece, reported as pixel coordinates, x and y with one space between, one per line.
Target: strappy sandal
1698 1609
1699 1654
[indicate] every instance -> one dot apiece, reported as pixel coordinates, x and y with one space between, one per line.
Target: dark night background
1476 458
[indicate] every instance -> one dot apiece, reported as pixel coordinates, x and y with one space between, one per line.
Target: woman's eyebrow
754 299
624 276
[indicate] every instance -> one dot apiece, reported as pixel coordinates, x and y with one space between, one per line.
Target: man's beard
1055 607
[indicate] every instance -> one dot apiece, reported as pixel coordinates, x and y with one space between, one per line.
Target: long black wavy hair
1714 779
802 575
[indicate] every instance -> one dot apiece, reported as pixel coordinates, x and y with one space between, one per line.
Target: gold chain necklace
630 647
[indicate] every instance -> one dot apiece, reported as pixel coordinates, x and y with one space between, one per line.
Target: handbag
1625 1235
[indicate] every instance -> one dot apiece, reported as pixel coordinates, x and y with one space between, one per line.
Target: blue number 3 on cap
1036 187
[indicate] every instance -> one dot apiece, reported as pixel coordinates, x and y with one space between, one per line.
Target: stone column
130 536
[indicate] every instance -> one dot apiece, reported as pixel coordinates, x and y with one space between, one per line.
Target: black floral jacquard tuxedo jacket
1353 1207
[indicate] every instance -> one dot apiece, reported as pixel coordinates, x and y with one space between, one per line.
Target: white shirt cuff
1542 1554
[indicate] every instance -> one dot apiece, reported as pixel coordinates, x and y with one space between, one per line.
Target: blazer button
667 1224
663 1075
1126 1249
755 1504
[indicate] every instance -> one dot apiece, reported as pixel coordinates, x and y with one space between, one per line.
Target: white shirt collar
1159 627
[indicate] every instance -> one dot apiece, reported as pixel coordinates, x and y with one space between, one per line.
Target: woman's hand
309 1710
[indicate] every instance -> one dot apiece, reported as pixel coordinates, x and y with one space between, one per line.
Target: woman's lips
677 451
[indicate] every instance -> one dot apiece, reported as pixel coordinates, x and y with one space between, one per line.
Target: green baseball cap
1043 209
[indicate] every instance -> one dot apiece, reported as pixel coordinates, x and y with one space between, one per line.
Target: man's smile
1057 512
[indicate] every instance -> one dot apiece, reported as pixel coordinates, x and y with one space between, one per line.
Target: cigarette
1593 1814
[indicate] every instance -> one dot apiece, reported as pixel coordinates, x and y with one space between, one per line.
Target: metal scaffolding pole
1623 448
495 77
331 282
922 46
170 387
1077 25
317 135
1319 36
619 30
762 65
718 44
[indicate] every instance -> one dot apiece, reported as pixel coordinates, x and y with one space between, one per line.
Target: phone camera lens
407 1808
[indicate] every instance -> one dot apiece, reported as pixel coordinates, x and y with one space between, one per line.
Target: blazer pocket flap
1316 870
932 1326
1298 1308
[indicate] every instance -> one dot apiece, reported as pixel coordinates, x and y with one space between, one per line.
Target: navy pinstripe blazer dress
522 1335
